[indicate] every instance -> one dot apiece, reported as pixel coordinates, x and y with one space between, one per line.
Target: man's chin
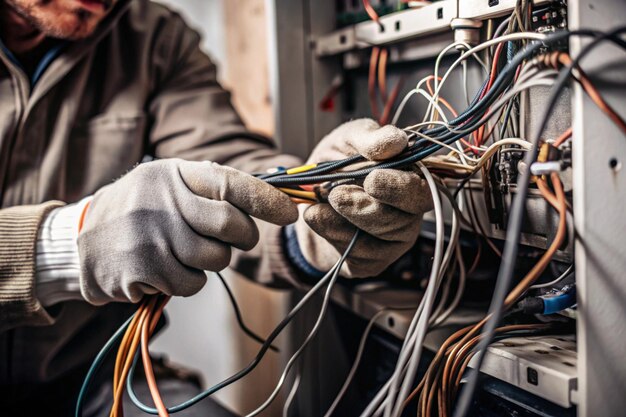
73 28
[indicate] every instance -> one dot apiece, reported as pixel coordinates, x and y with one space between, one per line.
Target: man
87 89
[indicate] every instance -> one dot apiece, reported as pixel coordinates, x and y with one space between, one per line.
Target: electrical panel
330 72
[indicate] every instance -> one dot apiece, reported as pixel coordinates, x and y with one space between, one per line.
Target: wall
234 33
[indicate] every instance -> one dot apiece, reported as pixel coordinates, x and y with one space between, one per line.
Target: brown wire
594 94
382 73
565 136
442 381
384 119
118 386
146 331
371 82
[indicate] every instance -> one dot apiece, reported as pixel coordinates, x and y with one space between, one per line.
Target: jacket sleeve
19 226
192 117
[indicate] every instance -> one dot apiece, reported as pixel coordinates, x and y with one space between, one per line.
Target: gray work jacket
138 86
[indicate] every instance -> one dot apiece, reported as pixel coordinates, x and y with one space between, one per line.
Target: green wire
97 362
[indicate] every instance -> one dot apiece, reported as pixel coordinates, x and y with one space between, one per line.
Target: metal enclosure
304 63
600 187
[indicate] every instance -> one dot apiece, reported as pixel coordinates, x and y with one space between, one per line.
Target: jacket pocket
102 149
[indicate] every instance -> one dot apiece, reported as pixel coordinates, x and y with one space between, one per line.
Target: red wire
389 104
371 12
492 76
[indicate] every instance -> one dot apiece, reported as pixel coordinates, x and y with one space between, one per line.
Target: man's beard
71 24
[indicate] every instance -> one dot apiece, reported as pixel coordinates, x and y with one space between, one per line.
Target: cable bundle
466 136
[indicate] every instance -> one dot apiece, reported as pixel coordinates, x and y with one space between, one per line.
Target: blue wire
243 372
97 362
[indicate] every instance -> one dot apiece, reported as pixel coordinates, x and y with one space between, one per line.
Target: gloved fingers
187 282
370 255
201 253
370 215
329 224
253 196
404 190
220 220
375 143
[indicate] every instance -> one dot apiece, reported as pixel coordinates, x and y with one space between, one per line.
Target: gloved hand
165 222
388 207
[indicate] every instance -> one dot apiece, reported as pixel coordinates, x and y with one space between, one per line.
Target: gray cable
561 277
292 395
431 292
385 395
335 274
358 356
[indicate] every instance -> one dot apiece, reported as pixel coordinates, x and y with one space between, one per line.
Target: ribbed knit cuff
294 253
18 237
57 265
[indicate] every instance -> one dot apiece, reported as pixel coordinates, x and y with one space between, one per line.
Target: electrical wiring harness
448 150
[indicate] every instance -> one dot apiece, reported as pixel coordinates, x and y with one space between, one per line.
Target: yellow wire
298 193
302 168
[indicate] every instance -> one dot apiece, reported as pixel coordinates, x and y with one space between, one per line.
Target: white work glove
165 222
388 207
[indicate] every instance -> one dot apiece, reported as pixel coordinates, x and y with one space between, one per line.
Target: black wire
466 119
509 255
242 325
480 105
257 359
565 73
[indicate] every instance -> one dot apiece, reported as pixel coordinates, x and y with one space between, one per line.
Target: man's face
63 19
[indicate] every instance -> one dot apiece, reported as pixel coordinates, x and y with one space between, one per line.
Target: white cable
457 207
412 335
292 394
429 297
410 93
459 292
487 44
438 62
450 250
335 274
564 275
445 145
358 356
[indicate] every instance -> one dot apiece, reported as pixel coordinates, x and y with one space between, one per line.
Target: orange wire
440 99
565 136
122 351
371 12
371 82
447 386
118 388
594 94
81 219
146 330
382 73
384 119
302 201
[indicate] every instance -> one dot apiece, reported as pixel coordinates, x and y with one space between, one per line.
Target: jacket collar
75 51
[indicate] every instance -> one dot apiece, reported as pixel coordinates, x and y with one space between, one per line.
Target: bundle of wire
507 78
136 331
